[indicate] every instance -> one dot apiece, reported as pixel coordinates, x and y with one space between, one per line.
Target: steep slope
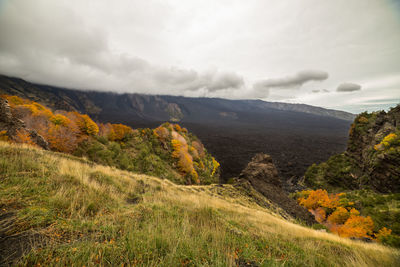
168 151
262 174
61 210
372 158
233 131
156 108
369 170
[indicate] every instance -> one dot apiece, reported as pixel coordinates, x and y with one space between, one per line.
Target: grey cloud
292 81
225 80
262 88
190 80
65 50
320 91
348 87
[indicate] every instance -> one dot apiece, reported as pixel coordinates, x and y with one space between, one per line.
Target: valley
234 131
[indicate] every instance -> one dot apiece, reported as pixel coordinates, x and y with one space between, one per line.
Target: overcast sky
342 54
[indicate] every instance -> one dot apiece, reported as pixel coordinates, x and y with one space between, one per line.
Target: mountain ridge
166 102
233 130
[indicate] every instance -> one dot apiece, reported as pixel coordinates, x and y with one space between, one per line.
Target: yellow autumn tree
339 216
119 132
85 124
356 226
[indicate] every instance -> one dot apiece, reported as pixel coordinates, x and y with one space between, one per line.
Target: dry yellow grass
252 220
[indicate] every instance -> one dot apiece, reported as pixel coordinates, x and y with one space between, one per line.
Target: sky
342 54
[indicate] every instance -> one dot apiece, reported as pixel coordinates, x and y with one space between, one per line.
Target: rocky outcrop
379 164
262 174
12 125
372 158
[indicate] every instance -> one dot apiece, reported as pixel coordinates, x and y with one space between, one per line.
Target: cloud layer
261 88
296 80
221 48
36 47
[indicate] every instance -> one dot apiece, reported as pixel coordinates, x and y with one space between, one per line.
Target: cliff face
372 158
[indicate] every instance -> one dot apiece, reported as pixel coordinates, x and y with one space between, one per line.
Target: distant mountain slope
154 107
296 136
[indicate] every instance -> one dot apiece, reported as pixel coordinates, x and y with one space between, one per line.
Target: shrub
339 216
356 226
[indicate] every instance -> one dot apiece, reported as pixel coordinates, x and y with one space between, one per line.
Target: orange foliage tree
339 216
60 119
119 132
85 124
356 226
185 160
337 213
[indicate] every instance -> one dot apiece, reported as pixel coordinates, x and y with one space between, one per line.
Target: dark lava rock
263 176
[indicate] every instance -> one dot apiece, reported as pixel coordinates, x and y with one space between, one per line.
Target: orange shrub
177 127
384 232
356 226
185 160
60 120
38 110
317 198
339 216
85 124
63 138
354 212
119 132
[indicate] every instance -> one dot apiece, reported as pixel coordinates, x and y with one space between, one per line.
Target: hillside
372 158
295 135
167 151
368 171
61 210
152 107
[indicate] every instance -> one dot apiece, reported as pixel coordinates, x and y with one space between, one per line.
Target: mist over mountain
295 135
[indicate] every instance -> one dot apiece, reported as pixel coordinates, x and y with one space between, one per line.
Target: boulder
262 174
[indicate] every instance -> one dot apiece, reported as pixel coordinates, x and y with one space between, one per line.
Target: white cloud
225 48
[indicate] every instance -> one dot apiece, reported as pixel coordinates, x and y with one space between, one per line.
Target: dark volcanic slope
232 130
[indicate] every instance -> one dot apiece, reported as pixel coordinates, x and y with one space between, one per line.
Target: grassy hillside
69 211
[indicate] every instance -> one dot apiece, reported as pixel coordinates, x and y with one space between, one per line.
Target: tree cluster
338 214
